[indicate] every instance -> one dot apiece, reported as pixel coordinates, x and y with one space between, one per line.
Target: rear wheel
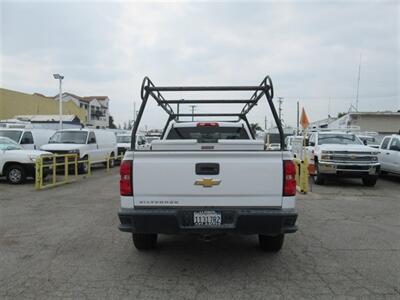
16 174
271 243
318 177
144 241
369 180
111 161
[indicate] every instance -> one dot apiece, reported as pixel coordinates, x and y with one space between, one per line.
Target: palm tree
254 127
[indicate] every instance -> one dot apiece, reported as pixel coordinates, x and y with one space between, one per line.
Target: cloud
310 49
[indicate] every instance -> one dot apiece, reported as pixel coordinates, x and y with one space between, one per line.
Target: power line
340 97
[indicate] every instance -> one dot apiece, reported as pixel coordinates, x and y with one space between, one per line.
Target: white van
30 139
95 145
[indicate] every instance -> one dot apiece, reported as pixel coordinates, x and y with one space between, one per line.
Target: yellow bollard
66 167
89 167
76 165
304 175
301 175
54 169
38 167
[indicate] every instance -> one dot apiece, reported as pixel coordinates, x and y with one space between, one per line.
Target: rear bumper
175 221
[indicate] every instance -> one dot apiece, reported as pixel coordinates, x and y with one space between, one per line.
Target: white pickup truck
389 155
16 163
342 154
207 178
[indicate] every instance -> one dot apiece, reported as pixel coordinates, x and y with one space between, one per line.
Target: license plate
207 218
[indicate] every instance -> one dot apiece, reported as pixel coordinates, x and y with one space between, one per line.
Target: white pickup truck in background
389 155
342 154
207 178
17 163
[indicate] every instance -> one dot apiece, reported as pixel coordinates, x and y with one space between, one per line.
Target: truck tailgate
244 179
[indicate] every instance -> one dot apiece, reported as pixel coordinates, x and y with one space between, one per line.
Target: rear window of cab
207 134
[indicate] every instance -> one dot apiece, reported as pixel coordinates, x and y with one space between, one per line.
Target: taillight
289 178
125 182
207 124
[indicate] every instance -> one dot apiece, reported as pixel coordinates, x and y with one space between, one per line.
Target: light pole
60 78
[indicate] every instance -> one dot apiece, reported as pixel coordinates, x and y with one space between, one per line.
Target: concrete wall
379 122
14 103
385 124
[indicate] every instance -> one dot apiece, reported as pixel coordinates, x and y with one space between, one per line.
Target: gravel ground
64 243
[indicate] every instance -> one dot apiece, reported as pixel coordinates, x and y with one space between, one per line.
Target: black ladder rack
265 88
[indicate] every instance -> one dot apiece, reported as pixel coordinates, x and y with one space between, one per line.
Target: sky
311 50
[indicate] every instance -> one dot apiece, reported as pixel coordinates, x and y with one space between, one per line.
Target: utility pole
193 107
60 78
298 119
280 101
329 108
265 123
358 82
134 112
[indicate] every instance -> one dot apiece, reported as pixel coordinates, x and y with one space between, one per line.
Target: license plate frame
208 218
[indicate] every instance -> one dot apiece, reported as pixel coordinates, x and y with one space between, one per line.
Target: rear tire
111 161
369 180
16 174
271 243
318 178
144 241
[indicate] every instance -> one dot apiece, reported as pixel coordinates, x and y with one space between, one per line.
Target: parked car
95 145
291 140
124 142
342 154
389 155
28 138
16 163
208 178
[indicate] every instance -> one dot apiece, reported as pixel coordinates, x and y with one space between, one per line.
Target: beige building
96 108
13 103
383 123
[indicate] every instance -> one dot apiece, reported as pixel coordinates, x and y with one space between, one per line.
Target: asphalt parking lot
64 243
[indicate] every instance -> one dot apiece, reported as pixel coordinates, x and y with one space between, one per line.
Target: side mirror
365 142
92 141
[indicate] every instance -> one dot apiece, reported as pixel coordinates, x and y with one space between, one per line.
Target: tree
255 127
111 123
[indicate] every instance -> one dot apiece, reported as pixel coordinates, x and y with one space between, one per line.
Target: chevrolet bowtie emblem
207 182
